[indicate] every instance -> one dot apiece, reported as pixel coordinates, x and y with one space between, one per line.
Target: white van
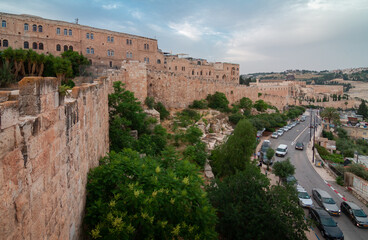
281 150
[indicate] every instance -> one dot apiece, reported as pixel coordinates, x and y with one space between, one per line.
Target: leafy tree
6 75
235 118
283 169
260 105
249 208
77 61
218 101
196 153
363 110
62 68
236 152
129 197
199 104
125 114
270 153
331 114
193 135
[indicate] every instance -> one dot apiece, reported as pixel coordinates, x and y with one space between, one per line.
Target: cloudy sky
260 35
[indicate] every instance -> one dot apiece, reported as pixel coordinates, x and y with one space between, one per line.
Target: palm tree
31 59
19 58
8 54
41 58
331 114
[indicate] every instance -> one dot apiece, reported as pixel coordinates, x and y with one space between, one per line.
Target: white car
275 135
281 150
280 132
304 199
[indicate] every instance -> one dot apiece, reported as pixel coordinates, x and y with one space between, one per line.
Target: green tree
269 154
283 169
249 208
218 101
129 197
78 61
162 110
331 114
126 114
150 102
260 105
236 152
62 68
363 110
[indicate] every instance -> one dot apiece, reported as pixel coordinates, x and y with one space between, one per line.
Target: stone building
102 47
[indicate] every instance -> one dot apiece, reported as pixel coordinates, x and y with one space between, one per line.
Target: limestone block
22 206
8 114
7 141
154 114
4 96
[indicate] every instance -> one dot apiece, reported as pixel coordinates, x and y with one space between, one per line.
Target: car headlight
327 209
327 234
339 211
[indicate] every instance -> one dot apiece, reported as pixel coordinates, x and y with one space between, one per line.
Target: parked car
275 135
290 180
285 129
266 161
326 201
280 132
302 119
304 199
325 223
281 150
355 213
265 146
299 146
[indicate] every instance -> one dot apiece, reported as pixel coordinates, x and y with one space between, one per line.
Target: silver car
304 199
326 201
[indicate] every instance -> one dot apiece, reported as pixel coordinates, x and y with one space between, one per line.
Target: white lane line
299 136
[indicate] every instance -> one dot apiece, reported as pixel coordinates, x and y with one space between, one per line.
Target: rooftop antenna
76 21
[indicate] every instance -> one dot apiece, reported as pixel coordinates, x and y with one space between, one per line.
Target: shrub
129 197
187 117
218 101
150 102
199 104
6 76
196 153
340 180
328 135
193 135
162 110
235 118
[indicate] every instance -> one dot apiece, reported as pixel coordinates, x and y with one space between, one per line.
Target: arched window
65 48
40 46
26 27
5 43
70 32
58 31
87 35
201 72
34 28
147 46
26 45
65 32
87 51
3 23
112 52
34 45
127 55
209 73
90 61
71 48
158 61
192 72
112 39
199 62
40 28
92 36
131 55
108 38
92 51
108 52
58 48
0 43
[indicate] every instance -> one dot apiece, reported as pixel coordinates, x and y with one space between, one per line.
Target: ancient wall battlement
48 143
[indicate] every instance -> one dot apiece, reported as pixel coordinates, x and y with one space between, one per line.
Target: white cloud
111 6
136 14
192 30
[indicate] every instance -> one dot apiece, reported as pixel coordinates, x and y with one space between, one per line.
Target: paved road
309 178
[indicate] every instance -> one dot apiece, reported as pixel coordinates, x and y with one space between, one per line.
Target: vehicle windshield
359 213
299 144
281 150
303 195
328 222
328 200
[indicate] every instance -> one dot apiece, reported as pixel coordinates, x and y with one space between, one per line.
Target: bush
196 153
235 118
328 135
187 117
6 76
162 110
199 104
150 102
193 135
340 180
218 101
129 197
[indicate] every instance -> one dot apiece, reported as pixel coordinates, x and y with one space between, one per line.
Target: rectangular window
112 39
112 53
65 32
87 35
92 51
25 27
108 52
108 38
58 31
3 23
92 36
88 51
127 41
70 32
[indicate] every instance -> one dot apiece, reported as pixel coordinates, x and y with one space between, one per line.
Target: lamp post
310 125
314 137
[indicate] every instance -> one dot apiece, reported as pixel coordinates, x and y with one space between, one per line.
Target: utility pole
310 125
314 137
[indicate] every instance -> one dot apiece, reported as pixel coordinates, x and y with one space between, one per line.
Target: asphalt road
309 178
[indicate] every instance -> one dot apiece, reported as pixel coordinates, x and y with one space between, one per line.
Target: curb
339 194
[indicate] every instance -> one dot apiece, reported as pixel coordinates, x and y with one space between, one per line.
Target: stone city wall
48 144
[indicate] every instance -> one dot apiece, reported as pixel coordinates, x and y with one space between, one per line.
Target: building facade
103 47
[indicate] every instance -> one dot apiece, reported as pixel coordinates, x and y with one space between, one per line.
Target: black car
299 146
355 213
325 223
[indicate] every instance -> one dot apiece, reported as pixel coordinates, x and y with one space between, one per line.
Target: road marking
298 136
340 195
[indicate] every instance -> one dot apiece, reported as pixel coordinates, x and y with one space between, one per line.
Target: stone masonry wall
47 146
